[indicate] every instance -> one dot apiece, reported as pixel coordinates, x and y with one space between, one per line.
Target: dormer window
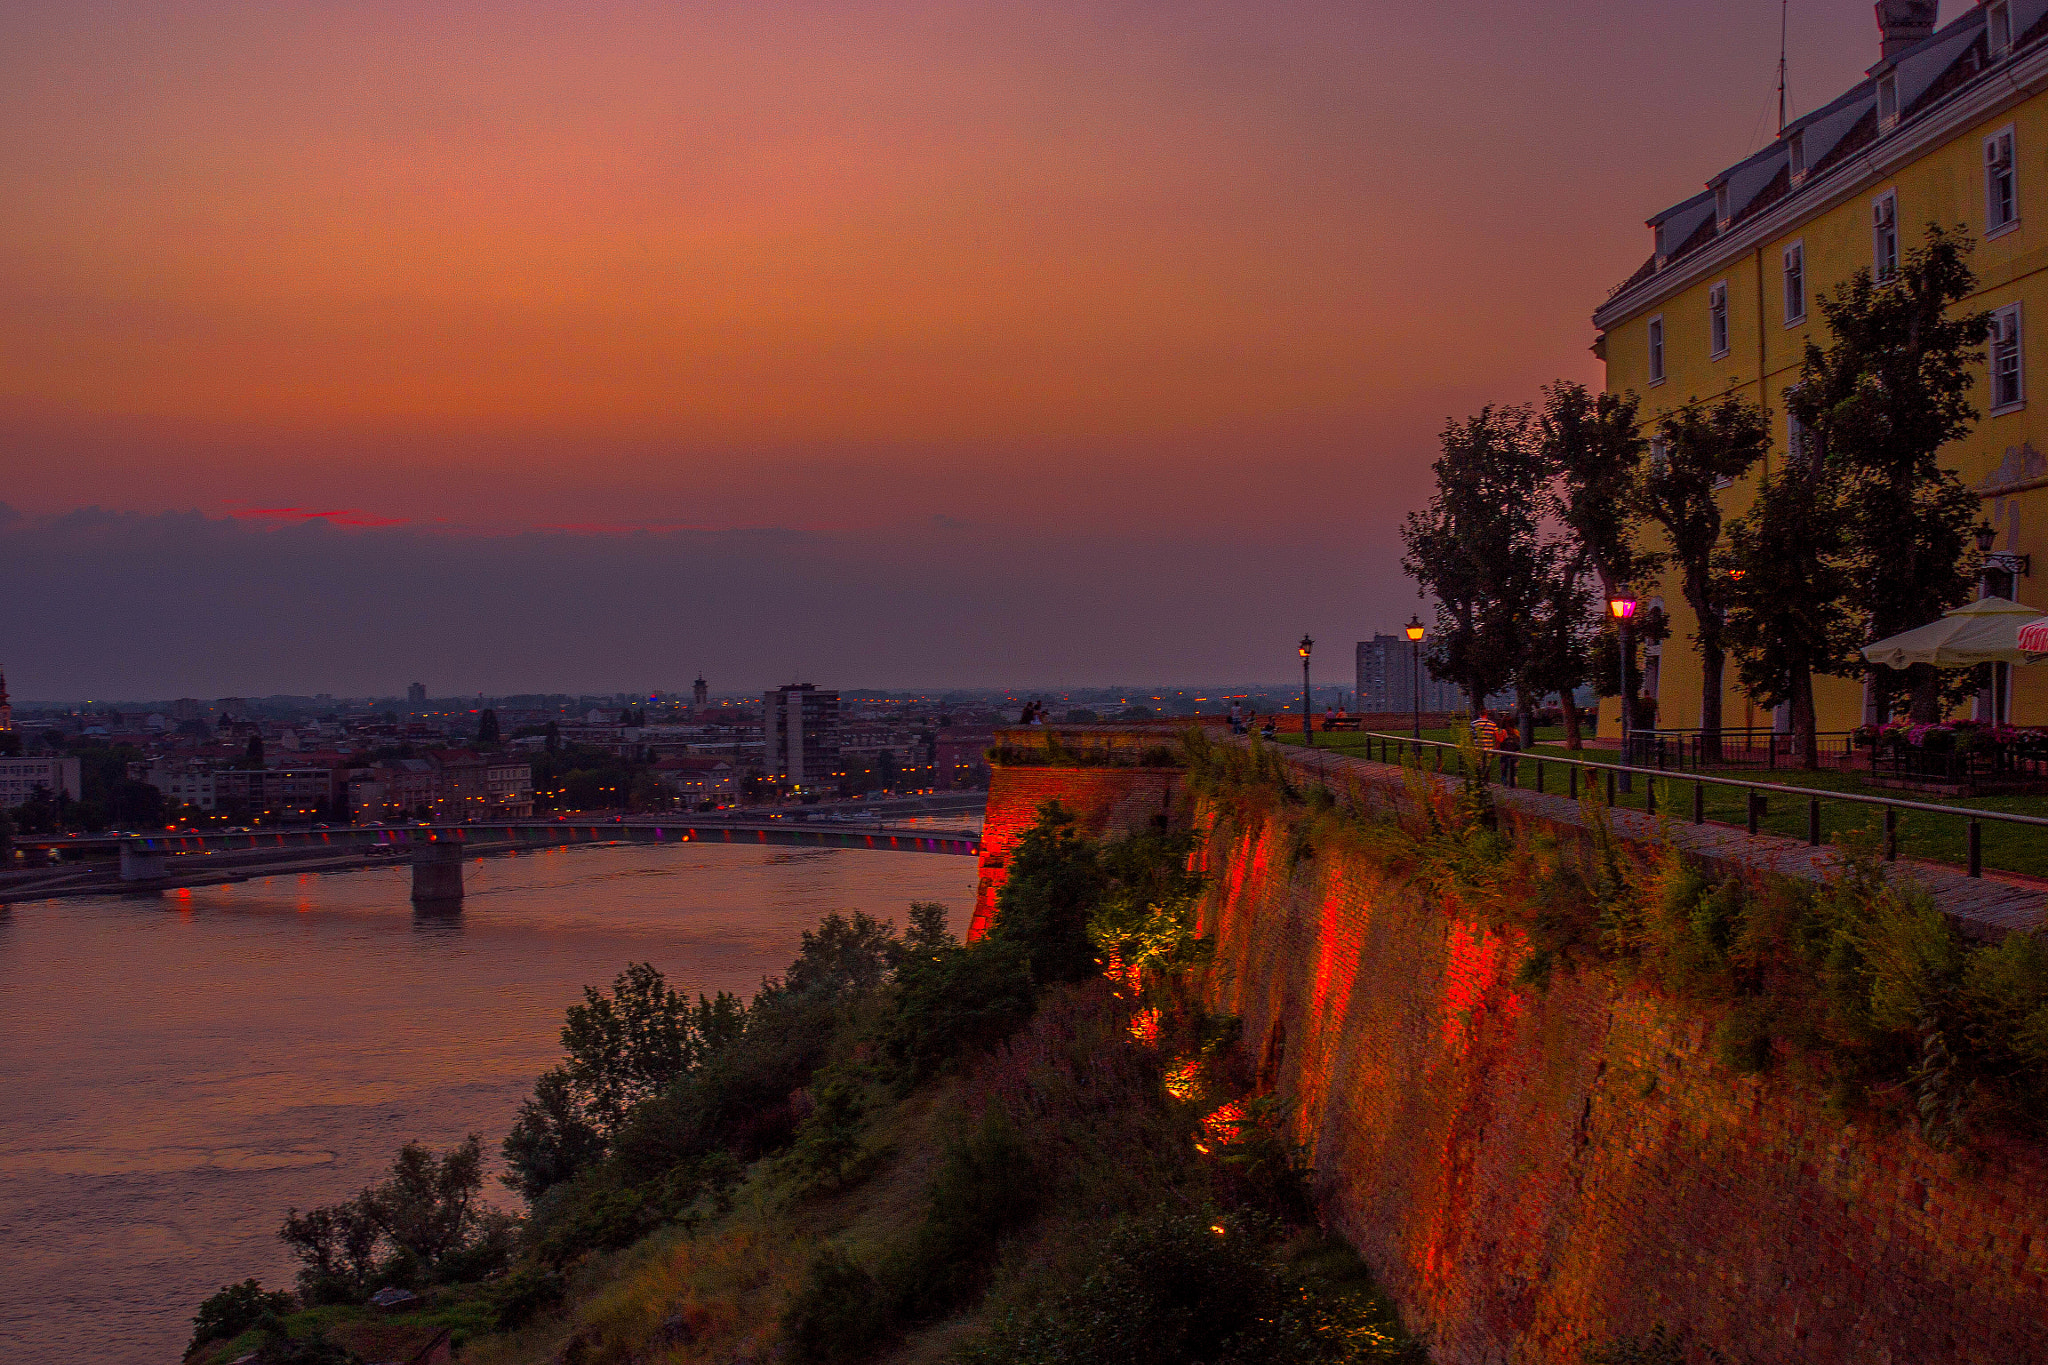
1796 149
1721 206
1998 28
1887 101
1662 254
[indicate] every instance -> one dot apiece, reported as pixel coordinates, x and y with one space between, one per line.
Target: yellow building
1948 127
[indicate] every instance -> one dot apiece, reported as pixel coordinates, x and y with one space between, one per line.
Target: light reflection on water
177 1070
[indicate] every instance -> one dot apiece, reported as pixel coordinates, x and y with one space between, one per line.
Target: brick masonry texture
1530 1172
1106 801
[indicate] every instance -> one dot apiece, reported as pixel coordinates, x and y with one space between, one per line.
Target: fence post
1976 849
1750 797
1610 790
1813 822
1891 834
1539 776
1699 803
1649 796
1572 780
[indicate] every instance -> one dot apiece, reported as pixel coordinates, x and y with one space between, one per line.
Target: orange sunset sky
1053 342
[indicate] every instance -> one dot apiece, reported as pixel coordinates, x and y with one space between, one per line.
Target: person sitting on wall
1266 733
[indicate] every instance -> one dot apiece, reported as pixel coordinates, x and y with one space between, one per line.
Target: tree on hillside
1592 449
1476 548
487 727
1788 581
1704 448
1876 407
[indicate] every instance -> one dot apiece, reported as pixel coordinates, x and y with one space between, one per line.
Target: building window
1795 438
1795 283
2008 379
1884 234
1657 349
1660 454
1796 149
1887 101
2001 189
1717 318
1721 206
1998 27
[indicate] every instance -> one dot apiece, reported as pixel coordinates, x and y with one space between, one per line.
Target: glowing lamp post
1308 733
1416 630
1622 608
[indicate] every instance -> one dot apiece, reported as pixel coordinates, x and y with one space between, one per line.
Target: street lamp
1622 608
1416 630
1308 733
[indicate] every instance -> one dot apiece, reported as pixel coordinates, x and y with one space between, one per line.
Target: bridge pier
140 863
436 872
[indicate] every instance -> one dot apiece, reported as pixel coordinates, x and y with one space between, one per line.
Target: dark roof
1927 74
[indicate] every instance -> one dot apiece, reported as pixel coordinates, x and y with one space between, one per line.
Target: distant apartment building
510 789
416 694
800 727
190 782
960 758
6 707
22 778
1387 676
279 793
696 779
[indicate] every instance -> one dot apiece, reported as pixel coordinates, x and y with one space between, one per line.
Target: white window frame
1884 235
1792 266
1795 152
1795 438
1998 28
1660 453
2008 338
1717 320
1994 225
1887 101
1723 210
1653 332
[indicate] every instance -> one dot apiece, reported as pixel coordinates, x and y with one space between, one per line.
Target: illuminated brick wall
1107 800
1530 1172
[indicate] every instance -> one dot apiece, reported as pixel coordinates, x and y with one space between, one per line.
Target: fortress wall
1533 1171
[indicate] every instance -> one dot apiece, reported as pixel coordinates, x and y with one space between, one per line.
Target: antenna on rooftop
1783 7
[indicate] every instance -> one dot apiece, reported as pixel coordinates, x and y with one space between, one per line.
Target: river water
176 1071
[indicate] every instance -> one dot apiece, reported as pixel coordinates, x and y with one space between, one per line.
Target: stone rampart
1532 1171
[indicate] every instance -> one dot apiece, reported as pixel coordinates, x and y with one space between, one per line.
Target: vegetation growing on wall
1858 985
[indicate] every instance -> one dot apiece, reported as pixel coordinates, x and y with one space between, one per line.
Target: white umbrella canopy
1982 632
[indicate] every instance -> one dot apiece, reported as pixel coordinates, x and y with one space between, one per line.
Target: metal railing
1681 750
1756 794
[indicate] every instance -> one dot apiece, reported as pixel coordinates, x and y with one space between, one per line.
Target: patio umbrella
1982 632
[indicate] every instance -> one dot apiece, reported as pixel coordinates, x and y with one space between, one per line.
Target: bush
1055 879
525 1294
1182 1288
234 1310
838 1317
985 1189
954 999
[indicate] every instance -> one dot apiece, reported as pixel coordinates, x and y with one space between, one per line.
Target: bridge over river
149 862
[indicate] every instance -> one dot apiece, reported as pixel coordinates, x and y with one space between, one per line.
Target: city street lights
1416 630
1308 733
1622 607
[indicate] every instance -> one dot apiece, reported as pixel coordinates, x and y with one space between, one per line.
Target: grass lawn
1935 838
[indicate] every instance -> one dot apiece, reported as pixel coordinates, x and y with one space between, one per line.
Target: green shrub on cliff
234 1310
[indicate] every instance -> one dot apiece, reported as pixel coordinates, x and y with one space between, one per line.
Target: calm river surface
175 1072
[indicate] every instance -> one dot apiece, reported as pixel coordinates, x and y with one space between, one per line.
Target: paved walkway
1986 907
